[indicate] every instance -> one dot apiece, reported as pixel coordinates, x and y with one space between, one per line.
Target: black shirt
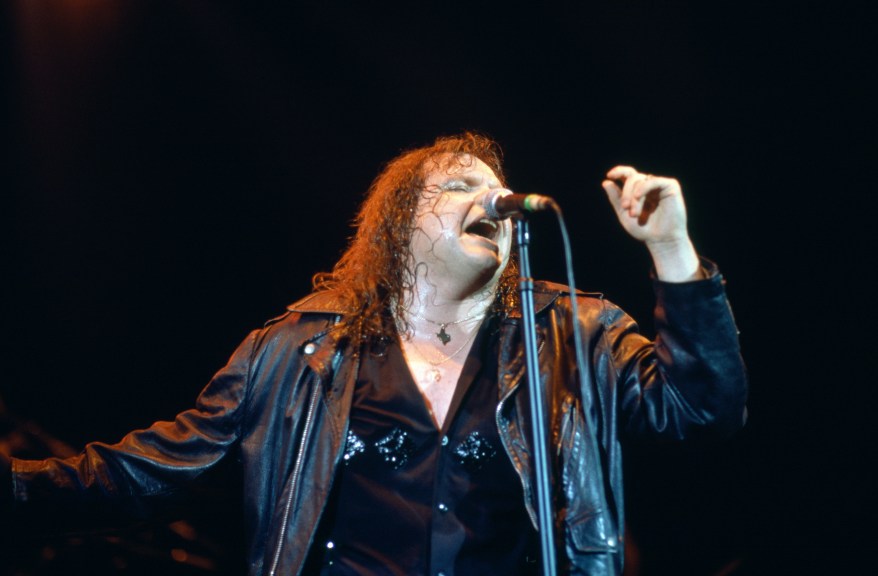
412 499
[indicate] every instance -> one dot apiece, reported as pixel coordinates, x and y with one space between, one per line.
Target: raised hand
651 209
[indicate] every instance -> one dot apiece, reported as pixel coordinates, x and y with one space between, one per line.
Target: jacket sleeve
690 382
146 464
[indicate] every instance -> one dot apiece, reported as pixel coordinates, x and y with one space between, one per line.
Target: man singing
381 424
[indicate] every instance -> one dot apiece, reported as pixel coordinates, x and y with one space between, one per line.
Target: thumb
614 193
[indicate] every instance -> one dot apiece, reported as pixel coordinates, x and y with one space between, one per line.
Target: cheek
508 231
427 223
435 215
445 225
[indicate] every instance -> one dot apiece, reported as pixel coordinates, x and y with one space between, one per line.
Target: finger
657 186
666 186
640 189
614 193
646 184
620 173
632 198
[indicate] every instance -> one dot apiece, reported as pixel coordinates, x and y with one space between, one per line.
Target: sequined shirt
411 499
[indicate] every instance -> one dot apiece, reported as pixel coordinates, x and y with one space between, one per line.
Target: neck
428 302
433 316
449 303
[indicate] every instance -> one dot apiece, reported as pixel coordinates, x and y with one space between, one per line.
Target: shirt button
310 348
442 507
445 440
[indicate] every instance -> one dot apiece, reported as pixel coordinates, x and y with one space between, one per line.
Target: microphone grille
489 202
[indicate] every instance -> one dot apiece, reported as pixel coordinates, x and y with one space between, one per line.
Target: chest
436 376
440 494
436 384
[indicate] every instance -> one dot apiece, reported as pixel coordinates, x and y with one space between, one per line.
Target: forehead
466 166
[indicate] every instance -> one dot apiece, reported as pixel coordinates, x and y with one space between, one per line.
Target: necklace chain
479 314
444 336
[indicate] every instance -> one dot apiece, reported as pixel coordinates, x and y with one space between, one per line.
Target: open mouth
486 228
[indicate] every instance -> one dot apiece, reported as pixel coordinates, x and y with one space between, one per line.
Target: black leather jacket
281 406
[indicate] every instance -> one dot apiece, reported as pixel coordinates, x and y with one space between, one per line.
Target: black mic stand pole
545 513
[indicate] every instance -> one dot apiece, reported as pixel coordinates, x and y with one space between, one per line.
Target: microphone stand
545 513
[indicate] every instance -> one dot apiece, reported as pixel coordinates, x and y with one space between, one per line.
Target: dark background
177 171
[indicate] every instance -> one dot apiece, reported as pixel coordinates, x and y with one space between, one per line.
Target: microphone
500 204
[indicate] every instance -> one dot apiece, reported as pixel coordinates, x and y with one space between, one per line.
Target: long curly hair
374 273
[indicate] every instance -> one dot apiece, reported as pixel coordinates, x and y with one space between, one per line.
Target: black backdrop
177 171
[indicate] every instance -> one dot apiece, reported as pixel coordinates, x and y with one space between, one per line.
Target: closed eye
456 186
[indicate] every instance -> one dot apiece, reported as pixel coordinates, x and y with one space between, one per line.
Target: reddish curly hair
374 273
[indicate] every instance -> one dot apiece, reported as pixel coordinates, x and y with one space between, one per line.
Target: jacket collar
329 301
544 294
323 301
